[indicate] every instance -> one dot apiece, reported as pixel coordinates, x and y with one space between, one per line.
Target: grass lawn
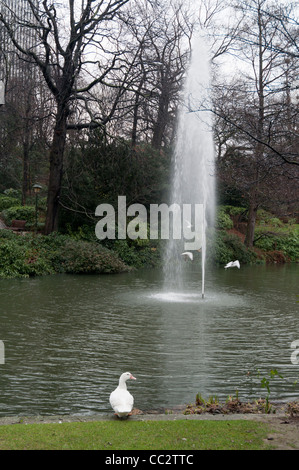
135 435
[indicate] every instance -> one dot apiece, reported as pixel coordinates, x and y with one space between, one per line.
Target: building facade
18 17
18 93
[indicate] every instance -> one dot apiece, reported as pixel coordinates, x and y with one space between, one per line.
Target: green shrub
275 222
83 257
138 253
266 218
20 258
289 245
125 252
16 193
225 247
223 220
84 232
32 255
7 202
233 210
265 243
20 213
264 215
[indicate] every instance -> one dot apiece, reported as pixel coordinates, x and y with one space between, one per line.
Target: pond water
68 338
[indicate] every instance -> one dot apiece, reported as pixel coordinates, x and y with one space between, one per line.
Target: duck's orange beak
132 377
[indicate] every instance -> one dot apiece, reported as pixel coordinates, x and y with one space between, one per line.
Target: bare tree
156 38
257 114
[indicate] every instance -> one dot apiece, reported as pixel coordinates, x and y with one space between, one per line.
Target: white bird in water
121 399
189 254
233 264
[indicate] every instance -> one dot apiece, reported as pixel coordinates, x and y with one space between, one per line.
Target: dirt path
286 435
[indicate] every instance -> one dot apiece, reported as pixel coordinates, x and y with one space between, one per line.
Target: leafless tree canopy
118 66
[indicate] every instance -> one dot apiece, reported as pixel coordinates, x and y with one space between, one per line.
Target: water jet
193 160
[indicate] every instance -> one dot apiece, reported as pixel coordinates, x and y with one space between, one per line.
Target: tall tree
257 111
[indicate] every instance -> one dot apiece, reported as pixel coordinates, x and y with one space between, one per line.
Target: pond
68 338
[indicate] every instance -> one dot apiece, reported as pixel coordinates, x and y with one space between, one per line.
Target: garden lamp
36 189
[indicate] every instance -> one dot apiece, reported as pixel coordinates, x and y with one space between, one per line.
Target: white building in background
18 91
2 93
14 70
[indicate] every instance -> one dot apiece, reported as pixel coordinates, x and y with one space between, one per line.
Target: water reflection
68 338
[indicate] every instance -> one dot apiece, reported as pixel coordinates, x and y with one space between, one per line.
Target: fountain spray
193 166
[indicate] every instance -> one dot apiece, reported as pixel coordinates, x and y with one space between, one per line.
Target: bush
125 252
84 257
20 213
20 258
233 210
138 254
13 193
289 245
275 222
84 232
227 247
264 216
223 220
7 202
30 255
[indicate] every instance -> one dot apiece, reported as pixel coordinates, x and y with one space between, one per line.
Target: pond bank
32 254
9 420
283 430
281 410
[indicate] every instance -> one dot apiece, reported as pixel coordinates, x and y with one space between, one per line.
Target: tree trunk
135 113
259 151
27 138
161 122
25 182
56 168
249 238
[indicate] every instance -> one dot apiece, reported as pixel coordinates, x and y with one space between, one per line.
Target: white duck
233 264
120 399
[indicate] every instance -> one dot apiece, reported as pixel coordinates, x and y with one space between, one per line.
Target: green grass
135 435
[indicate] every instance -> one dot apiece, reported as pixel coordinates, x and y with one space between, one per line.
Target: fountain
193 170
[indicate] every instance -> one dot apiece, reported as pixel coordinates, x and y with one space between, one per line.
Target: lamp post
36 189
